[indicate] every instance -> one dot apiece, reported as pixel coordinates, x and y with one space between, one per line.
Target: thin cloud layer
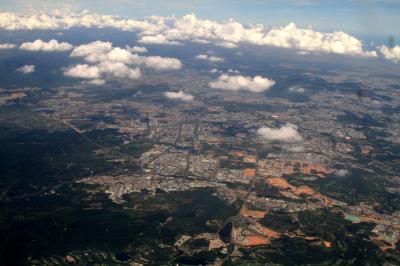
287 133
229 45
235 71
50 46
297 89
4 46
26 69
189 28
157 39
239 82
96 82
137 49
215 70
180 95
210 58
392 54
296 149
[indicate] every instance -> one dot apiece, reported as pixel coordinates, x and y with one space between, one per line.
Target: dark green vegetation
47 225
40 151
189 211
42 212
281 222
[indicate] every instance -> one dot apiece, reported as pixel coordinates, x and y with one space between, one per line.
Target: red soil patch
255 241
280 182
249 172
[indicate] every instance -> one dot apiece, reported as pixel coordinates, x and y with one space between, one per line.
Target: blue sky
363 18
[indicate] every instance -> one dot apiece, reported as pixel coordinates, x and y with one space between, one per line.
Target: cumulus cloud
114 55
162 63
101 52
392 54
189 28
337 42
238 82
287 133
180 95
113 69
342 172
105 60
119 70
83 71
96 47
210 58
26 69
4 46
297 89
50 46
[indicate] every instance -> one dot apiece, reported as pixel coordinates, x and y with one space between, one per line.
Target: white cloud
102 52
210 58
119 70
83 71
174 30
50 46
342 172
162 63
117 62
303 53
157 39
26 69
201 41
215 70
114 55
7 46
309 40
137 49
392 54
65 20
297 89
295 149
229 45
91 48
256 84
235 71
113 69
287 133
96 82
180 95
